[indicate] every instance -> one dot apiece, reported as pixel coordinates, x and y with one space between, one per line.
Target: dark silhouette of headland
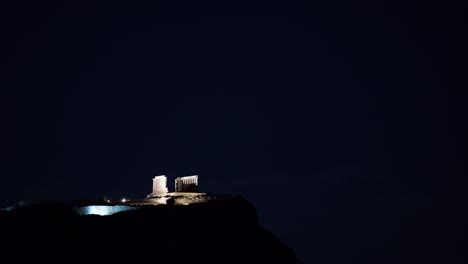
223 229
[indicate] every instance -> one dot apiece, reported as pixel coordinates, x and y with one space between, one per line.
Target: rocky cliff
219 231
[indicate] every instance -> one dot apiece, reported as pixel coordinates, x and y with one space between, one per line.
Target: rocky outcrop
218 231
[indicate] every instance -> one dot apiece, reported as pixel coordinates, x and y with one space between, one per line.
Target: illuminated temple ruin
159 185
185 191
186 184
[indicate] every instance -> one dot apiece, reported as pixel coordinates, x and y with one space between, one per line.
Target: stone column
159 185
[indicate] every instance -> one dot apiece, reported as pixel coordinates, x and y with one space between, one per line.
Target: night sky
343 123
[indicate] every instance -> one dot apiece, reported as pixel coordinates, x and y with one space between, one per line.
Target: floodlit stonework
186 184
186 191
159 185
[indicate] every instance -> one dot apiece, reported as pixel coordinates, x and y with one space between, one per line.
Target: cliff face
219 231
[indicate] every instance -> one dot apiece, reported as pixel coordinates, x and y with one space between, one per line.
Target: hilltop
217 231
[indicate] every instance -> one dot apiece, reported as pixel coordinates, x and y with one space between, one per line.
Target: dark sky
342 122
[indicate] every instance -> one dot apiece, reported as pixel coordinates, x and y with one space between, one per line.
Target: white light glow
124 200
104 209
